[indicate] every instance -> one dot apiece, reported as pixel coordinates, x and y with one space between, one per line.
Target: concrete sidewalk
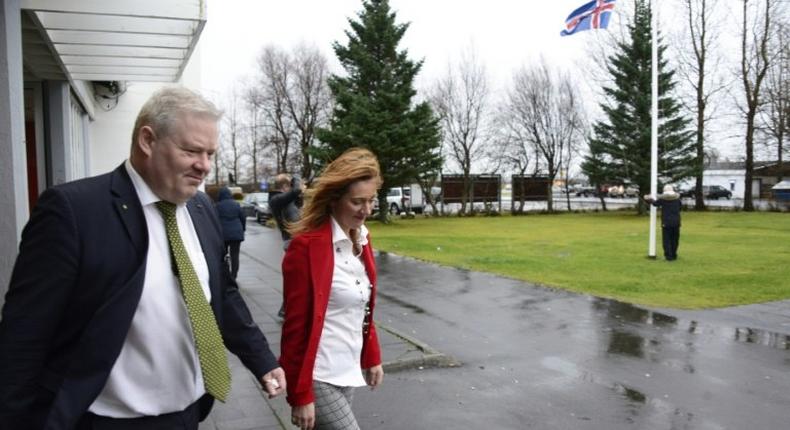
504 354
260 281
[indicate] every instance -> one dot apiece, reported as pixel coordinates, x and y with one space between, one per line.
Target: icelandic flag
592 15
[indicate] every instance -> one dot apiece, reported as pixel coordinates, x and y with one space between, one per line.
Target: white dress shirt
340 347
157 370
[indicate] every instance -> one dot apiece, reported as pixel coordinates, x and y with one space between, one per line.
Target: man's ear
146 140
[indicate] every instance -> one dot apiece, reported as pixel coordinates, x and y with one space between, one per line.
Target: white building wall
732 180
111 130
13 159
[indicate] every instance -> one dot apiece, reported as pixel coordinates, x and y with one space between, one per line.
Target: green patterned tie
211 350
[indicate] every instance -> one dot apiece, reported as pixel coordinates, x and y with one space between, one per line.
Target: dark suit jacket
75 287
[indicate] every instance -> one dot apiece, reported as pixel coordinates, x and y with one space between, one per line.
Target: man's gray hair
163 109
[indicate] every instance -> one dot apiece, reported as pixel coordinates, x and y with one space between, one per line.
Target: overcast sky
505 34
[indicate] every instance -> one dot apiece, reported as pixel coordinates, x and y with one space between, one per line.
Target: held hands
303 416
274 382
374 376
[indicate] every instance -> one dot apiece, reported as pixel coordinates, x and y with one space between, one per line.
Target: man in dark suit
119 302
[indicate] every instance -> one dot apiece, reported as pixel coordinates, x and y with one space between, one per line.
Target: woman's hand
303 416
374 376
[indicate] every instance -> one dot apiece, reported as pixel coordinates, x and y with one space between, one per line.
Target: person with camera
284 202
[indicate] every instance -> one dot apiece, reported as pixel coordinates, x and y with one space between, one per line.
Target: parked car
716 192
398 199
686 192
708 192
408 198
254 203
585 191
616 191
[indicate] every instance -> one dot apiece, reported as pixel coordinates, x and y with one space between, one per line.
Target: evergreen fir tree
374 102
622 141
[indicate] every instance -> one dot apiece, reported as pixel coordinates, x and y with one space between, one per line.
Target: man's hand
274 382
374 376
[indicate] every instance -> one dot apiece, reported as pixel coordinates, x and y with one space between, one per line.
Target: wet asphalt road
538 358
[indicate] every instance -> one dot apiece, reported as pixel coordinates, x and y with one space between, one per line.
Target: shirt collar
144 192
338 235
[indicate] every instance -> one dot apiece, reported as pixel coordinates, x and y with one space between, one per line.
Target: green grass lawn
724 259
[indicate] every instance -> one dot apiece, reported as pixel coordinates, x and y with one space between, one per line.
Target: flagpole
651 251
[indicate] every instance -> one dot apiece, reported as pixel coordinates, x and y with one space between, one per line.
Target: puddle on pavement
629 313
623 320
762 337
629 393
624 343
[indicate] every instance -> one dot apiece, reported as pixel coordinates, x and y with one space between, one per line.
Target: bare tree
295 100
308 99
571 151
218 157
274 71
697 67
756 31
517 152
544 109
253 99
775 116
232 127
460 100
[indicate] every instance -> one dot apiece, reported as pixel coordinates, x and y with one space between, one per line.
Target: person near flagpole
329 344
670 205
120 306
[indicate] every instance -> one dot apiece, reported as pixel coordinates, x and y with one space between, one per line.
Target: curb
430 356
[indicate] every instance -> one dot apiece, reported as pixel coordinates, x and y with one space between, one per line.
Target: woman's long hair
356 164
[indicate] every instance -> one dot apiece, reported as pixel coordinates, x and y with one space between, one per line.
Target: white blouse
340 347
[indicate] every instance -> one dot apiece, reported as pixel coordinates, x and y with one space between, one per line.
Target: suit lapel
127 206
200 219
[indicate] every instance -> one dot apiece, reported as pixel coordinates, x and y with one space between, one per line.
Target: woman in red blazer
329 343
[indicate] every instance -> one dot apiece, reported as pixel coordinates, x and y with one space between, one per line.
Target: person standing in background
233 223
285 209
669 202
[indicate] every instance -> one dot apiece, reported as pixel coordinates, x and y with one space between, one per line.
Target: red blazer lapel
322 263
370 262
